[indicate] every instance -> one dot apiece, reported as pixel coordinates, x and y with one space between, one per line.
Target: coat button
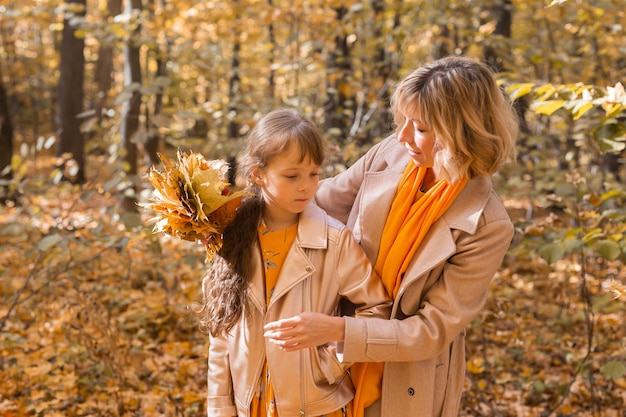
411 392
309 269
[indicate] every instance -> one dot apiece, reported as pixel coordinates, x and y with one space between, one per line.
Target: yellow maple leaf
192 200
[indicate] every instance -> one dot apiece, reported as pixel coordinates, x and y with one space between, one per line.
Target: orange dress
274 248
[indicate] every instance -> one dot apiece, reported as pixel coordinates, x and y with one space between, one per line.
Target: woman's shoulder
477 203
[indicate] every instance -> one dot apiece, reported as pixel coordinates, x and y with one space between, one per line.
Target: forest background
94 307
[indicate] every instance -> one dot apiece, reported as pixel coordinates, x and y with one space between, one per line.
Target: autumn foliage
95 318
192 200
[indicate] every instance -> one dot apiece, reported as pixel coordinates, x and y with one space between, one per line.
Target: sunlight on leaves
549 107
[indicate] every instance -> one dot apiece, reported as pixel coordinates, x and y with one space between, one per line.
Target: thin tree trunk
104 65
502 12
337 107
234 87
6 145
130 113
271 82
71 146
153 138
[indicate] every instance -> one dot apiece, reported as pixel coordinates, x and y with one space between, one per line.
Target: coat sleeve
358 282
336 195
443 311
220 399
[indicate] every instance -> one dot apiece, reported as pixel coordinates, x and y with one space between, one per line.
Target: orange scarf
407 224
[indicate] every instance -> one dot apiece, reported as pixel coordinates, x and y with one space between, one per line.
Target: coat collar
465 210
312 234
312 228
439 244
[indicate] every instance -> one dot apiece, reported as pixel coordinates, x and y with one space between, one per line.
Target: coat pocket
380 350
326 367
381 341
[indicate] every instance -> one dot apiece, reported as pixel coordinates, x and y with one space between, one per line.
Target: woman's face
419 140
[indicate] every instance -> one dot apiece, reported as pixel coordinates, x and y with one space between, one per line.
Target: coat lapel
377 192
312 233
257 284
439 244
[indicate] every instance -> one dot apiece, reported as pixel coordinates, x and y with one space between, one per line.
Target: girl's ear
256 177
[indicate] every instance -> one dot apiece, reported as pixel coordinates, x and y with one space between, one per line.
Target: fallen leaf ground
96 320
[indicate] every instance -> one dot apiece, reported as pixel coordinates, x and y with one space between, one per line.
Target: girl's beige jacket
324 266
443 289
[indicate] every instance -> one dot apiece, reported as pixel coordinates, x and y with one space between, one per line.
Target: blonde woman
422 205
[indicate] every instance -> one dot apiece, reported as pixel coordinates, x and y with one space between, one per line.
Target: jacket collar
464 213
312 228
312 234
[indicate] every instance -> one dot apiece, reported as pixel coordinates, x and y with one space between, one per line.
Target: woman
422 205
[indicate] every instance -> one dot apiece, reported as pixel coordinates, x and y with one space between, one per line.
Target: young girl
282 256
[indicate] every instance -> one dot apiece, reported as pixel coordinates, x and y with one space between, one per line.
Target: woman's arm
442 313
358 284
336 195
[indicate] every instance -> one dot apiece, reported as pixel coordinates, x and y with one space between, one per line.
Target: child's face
288 184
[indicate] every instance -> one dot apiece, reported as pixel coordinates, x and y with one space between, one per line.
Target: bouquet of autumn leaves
192 200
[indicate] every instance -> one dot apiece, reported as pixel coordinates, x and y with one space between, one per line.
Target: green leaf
613 370
611 146
549 107
48 241
608 249
551 252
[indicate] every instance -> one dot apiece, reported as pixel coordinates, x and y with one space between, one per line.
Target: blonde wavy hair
474 123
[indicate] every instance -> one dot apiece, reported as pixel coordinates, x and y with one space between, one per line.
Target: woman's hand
305 330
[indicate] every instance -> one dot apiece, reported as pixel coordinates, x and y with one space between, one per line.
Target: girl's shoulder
317 226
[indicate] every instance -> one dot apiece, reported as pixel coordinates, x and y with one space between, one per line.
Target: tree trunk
6 145
71 145
130 112
271 84
153 138
234 85
374 119
104 65
502 12
340 104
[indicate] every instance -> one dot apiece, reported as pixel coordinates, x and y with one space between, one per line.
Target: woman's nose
405 134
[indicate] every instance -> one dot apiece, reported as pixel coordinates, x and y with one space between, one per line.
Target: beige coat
324 265
443 289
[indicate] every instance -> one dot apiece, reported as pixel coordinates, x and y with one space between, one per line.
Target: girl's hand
305 330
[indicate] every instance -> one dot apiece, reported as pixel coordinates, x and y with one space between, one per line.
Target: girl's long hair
225 285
